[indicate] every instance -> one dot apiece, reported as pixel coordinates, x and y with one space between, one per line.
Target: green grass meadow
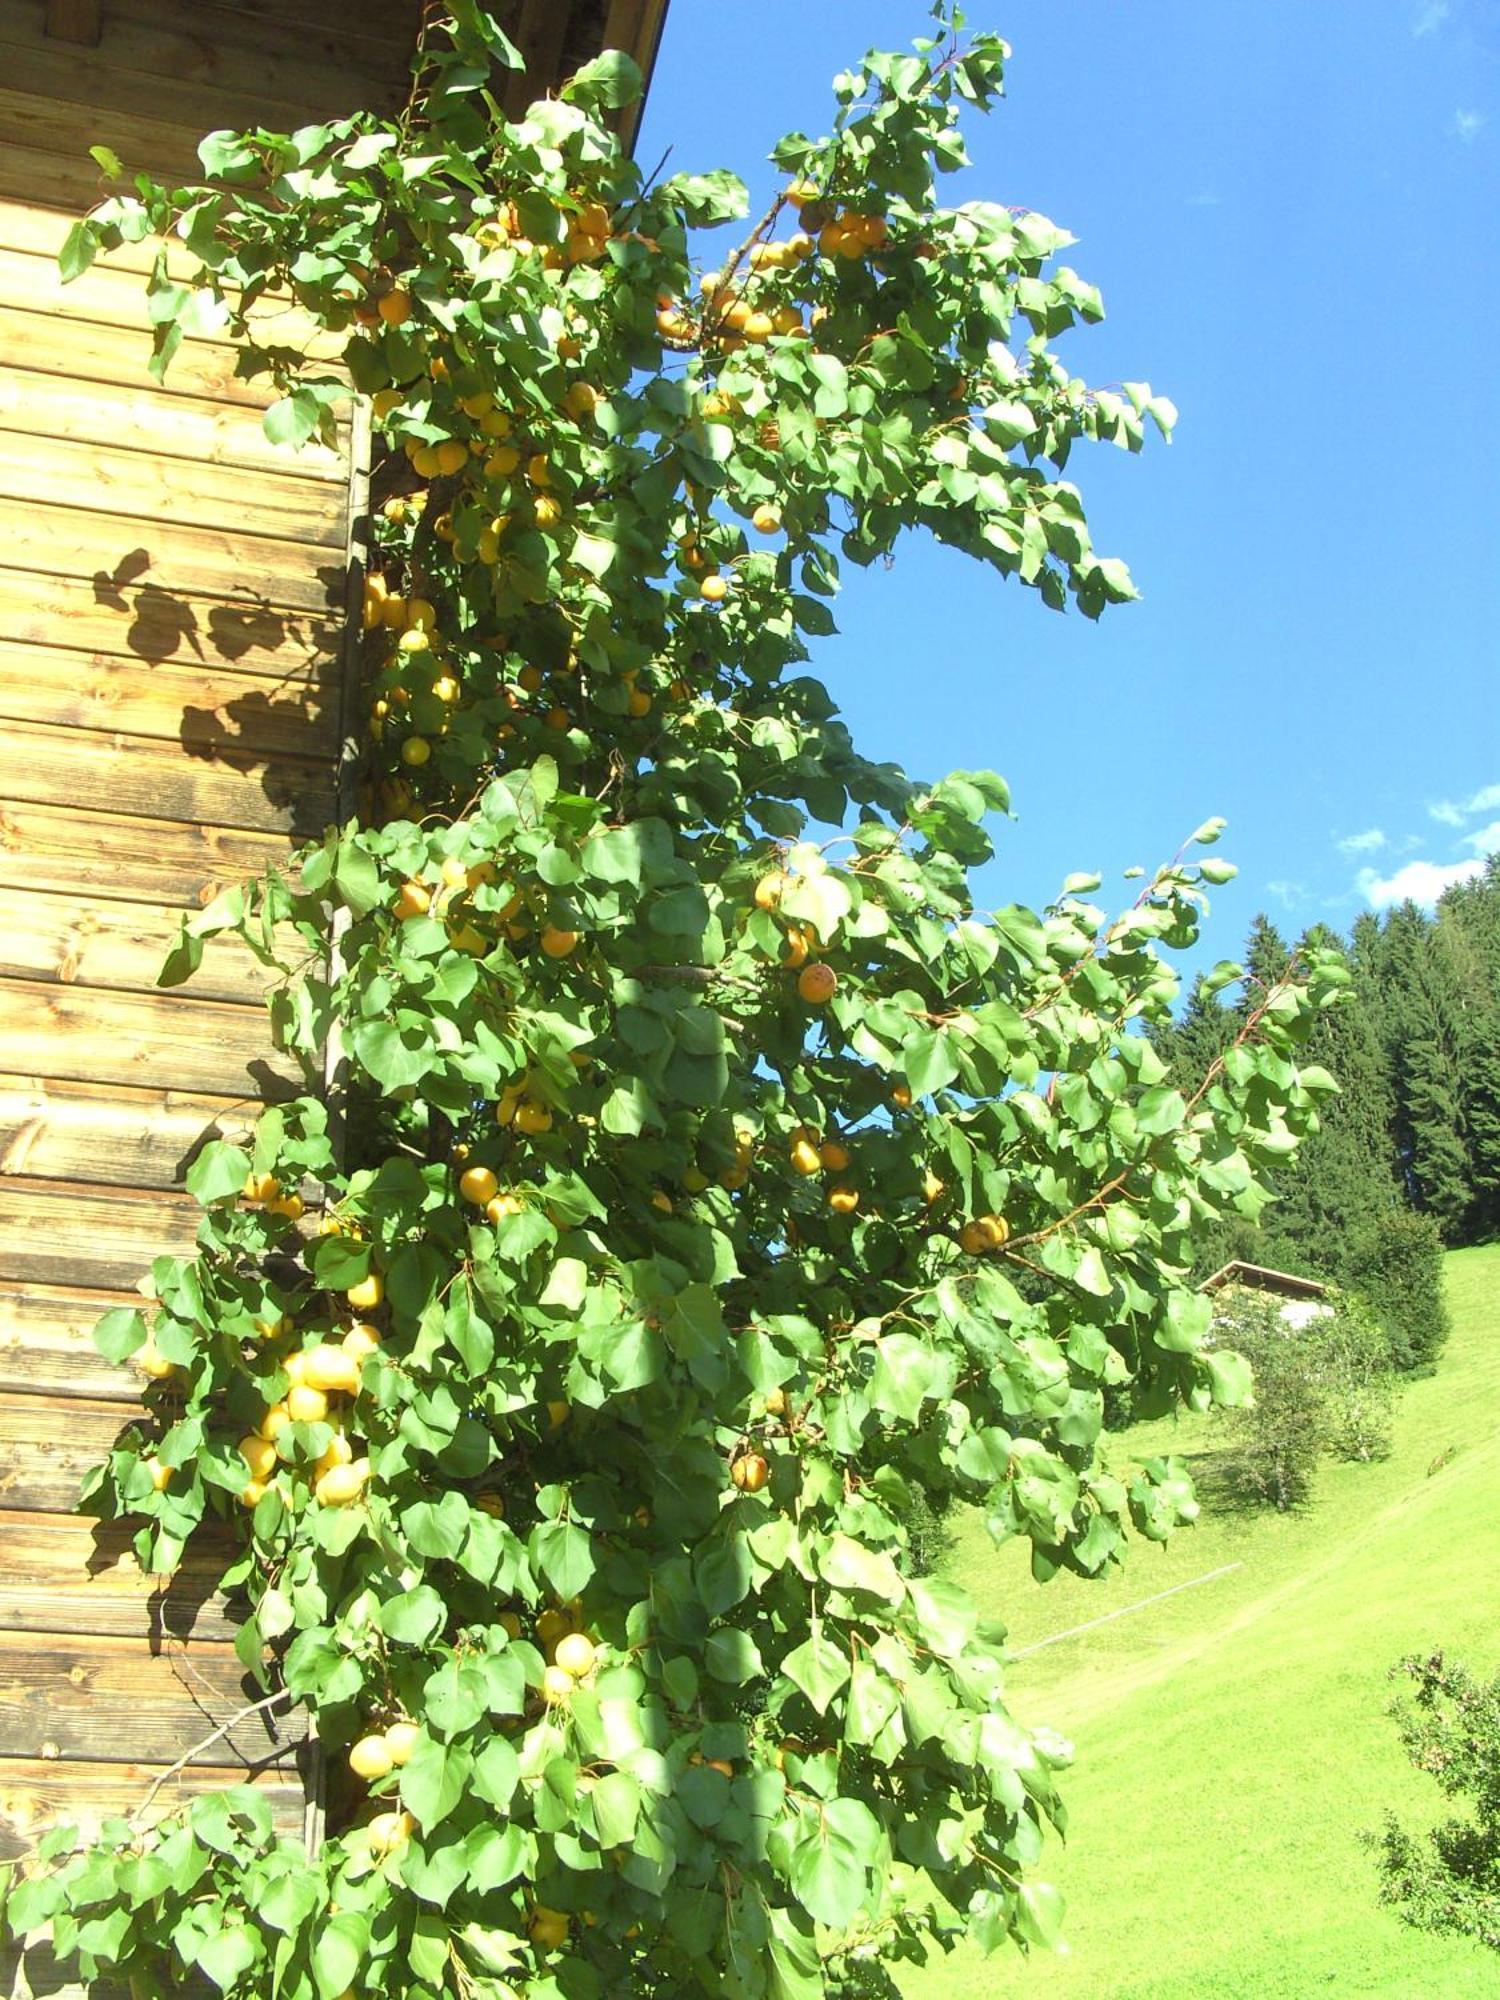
1232 1740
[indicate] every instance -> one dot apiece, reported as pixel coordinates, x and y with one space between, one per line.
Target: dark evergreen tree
1424 1027
1266 959
1344 1179
1468 928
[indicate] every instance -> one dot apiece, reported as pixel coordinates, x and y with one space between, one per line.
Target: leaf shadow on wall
282 731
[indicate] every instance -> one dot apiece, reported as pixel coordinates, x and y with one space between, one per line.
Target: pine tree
1468 926
1344 1178
1424 1013
1266 959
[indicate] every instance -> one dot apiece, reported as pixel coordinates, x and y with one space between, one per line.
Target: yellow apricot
371 1758
259 1453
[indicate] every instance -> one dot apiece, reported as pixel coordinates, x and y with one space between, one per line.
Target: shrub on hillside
1352 1352
1396 1262
1448 1879
1323 1386
1280 1436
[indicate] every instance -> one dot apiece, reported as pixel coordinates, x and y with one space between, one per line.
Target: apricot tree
715 1182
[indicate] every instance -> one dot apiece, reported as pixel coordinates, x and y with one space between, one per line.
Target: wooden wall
175 680
172 619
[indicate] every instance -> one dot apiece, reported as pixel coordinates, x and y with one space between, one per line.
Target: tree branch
214 1736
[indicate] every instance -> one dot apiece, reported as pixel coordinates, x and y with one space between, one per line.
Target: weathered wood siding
172 639
174 683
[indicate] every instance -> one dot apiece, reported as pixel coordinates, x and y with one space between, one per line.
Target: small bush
1448 1879
1355 1361
1324 1386
1396 1263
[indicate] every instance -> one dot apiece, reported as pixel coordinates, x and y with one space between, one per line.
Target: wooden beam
75 21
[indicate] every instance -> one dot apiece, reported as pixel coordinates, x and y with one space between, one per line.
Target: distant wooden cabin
176 662
1302 1299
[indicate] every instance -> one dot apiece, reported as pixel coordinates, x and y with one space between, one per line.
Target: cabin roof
1260 1278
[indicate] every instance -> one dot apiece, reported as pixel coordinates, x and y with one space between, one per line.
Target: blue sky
1291 210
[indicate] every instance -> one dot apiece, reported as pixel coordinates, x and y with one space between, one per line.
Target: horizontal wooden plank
47 1347
59 1574
43 1459
156 1041
40 230
36 1793
119 354
375 47
68 130
108 1134
136 775
49 404
119 1137
94 942
136 569
31 279
65 847
203 711
112 1701
58 1233
65 472
69 183
183 79
389 20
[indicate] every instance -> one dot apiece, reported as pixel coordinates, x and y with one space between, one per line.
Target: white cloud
1418 882
1486 841
1467 125
1430 18
1291 895
1451 812
1369 842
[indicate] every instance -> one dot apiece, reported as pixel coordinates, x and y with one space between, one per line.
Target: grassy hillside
1232 1740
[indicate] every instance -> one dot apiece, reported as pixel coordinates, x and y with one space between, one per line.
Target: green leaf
497 1772
118 1334
630 854
818 1668
338 1952
1189 1317
1039 1914
929 1059
218 1173
293 419
617 1808
79 248
414 1617
831 1860
564 1554
435 1779
228 1955
610 80
730 1655
848 1565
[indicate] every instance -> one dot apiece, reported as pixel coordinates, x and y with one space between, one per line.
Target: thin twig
215 1736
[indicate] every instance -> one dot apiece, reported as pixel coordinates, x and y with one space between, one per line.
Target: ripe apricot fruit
749 1472
342 1484
576 1654
371 1758
401 1738
557 1684
817 984
478 1184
